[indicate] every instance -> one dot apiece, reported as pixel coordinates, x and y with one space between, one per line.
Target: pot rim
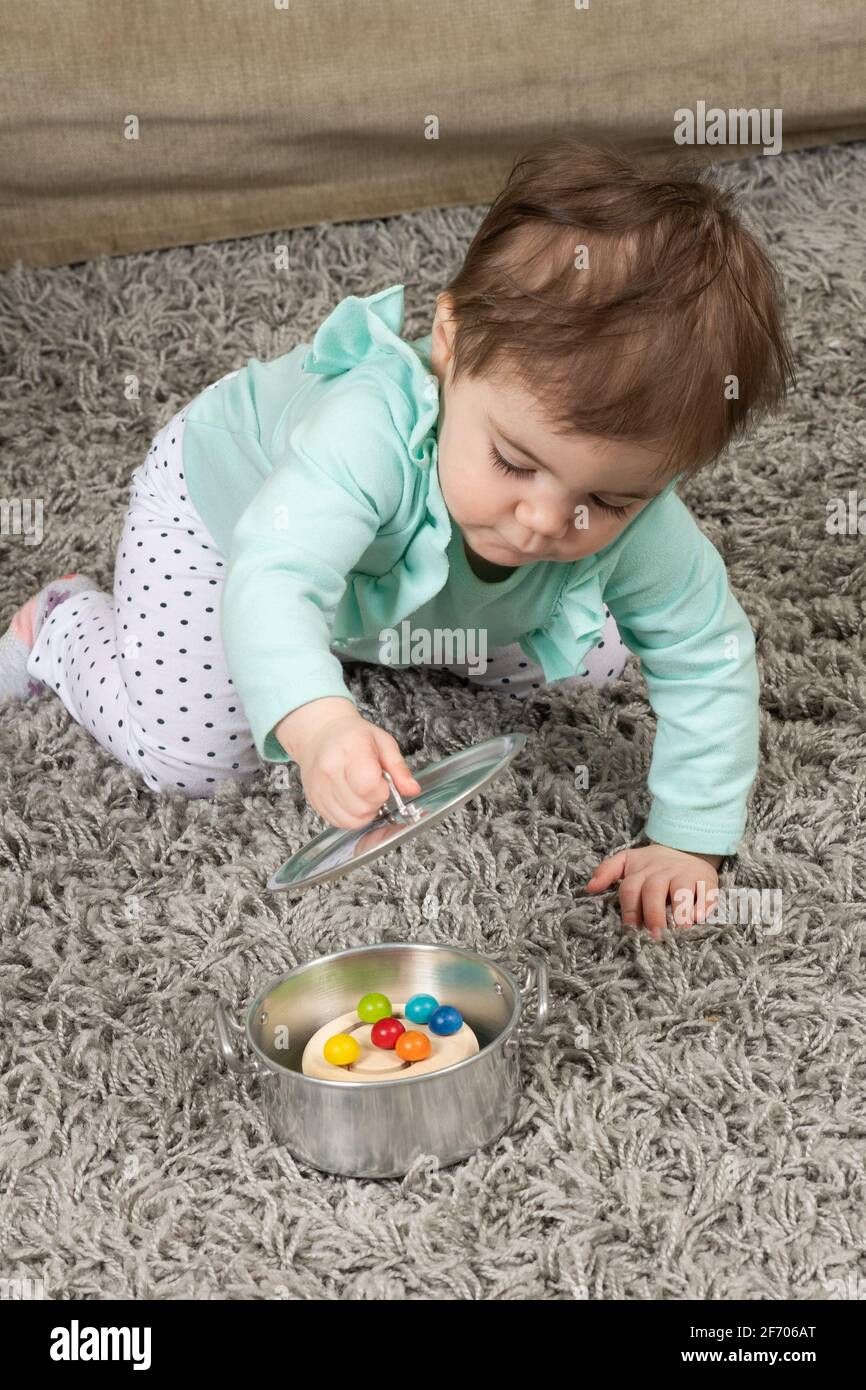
354 1086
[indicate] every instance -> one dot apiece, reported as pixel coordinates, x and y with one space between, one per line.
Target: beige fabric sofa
132 127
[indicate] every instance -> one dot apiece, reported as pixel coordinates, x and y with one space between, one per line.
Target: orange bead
413 1047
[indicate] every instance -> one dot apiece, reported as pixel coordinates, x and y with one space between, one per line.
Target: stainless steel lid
444 786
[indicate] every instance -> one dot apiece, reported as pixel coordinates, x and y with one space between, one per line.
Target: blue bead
445 1021
420 1007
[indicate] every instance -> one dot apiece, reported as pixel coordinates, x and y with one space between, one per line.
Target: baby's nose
547 522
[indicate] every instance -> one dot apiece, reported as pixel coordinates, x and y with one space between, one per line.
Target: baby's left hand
649 875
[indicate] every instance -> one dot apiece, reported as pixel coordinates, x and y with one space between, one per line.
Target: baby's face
557 506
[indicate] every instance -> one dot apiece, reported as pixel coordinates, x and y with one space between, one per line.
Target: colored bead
341 1049
386 1032
420 1007
373 1007
445 1021
413 1047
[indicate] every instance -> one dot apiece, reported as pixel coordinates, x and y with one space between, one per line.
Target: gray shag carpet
693 1121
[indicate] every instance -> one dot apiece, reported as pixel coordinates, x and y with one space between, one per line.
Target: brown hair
677 296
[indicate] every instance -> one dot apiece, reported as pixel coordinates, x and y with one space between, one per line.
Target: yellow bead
341 1049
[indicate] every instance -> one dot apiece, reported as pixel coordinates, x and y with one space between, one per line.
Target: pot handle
224 1021
537 973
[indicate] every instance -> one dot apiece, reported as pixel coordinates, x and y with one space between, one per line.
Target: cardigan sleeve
340 480
671 600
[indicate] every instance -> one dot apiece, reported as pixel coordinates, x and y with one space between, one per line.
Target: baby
507 478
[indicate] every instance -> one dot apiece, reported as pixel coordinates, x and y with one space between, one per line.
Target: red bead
386 1032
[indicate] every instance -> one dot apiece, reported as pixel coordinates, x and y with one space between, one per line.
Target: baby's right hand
341 764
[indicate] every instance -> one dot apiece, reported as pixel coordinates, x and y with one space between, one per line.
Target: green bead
373 1007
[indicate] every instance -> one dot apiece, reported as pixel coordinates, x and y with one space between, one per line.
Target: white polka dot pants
511 672
143 670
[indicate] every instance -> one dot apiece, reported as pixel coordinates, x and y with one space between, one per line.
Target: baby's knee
193 779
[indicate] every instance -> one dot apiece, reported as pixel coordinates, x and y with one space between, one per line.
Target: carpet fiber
692 1123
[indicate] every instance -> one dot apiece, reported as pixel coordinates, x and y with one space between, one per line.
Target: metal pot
379 1129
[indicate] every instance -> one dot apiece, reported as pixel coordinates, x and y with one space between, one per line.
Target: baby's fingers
340 807
706 901
608 871
630 903
654 902
683 902
392 759
363 776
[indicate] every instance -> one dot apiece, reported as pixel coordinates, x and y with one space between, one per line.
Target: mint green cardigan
316 475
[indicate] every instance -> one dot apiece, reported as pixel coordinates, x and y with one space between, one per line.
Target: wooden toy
341 1049
420 1007
385 1033
413 1047
445 1021
373 1007
377 1063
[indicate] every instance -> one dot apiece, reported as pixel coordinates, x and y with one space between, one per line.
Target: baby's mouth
524 554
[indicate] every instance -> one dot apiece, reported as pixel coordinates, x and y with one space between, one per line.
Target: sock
17 641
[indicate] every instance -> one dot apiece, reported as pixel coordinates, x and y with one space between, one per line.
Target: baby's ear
445 320
445 305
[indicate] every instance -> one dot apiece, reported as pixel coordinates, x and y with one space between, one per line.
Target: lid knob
405 810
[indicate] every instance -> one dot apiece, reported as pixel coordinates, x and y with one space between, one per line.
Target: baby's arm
670 597
674 608
291 552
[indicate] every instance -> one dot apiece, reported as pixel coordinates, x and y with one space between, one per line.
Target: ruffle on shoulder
575 625
360 329
367 330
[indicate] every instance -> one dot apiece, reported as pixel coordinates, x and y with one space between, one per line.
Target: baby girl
509 475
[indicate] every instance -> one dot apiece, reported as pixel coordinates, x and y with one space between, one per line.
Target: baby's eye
505 467
607 506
